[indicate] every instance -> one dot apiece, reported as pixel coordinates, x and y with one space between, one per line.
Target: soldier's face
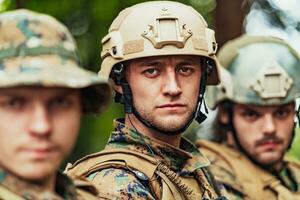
165 89
264 132
38 128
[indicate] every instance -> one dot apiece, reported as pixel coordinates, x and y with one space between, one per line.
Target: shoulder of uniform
222 160
294 166
112 157
6 194
292 162
218 154
120 183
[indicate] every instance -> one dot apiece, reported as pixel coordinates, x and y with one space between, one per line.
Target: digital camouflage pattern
35 49
122 183
65 189
244 180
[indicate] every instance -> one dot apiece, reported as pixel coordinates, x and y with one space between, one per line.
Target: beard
168 125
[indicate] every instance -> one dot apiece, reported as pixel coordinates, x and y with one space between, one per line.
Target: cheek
8 147
247 132
145 92
66 131
285 129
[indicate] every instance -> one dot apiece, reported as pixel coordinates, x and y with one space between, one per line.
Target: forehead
264 108
171 58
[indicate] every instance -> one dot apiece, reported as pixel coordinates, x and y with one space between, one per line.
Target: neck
22 186
132 122
47 184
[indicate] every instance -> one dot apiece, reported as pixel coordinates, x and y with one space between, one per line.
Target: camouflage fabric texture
122 183
244 180
65 188
37 50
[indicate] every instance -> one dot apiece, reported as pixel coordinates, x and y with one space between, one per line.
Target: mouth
172 106
38 153
269 143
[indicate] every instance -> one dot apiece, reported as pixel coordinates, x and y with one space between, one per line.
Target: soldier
160 66
43 93
255 123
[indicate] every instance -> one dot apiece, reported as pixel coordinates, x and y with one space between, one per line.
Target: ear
223 115
117 88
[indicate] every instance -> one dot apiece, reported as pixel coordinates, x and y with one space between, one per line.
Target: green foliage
89 22
295 150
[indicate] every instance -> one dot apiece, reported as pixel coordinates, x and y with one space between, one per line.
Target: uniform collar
185 159
289 175
64 187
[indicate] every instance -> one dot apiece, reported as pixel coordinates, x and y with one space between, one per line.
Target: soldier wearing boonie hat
43 94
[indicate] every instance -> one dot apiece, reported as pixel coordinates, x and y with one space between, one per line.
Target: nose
269 126
39 122
171 86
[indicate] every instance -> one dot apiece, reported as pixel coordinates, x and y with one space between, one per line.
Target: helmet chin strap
126 99
232 129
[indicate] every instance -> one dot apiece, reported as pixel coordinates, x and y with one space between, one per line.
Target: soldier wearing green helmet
255 122
43 94
159 55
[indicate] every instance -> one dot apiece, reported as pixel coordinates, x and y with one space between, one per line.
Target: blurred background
89 20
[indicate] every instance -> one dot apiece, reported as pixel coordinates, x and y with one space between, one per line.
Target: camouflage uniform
260 71
124 182
37 50
245 180
20 189
134 166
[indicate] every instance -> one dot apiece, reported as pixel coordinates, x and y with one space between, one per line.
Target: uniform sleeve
119 184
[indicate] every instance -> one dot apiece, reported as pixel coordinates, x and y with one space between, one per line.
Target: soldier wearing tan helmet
43 93
160 56
255 122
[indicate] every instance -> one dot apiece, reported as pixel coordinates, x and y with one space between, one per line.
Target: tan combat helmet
158 28
37 50
264 70
221 92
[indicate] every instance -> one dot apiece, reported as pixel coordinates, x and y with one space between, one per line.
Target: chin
269 160
37 172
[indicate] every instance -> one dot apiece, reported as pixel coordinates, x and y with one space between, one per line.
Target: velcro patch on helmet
133 46
272 82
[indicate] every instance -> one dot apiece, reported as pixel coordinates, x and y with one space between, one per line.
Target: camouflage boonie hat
37 50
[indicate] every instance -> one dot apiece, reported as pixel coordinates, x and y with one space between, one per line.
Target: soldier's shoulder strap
85 189
116 158
112 158
6 194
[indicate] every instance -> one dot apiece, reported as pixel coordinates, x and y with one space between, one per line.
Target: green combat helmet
263 71
37 50
218 93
